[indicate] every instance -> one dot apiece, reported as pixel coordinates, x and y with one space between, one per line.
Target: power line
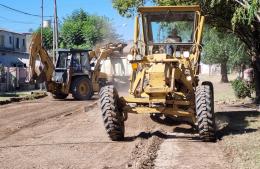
19 11
14 21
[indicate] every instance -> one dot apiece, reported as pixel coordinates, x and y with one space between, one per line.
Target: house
14 48
14 60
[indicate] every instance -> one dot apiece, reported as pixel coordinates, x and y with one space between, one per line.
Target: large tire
60 96
81 88
205 112
112 113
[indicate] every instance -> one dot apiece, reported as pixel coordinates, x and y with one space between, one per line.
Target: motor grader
165 73
73 71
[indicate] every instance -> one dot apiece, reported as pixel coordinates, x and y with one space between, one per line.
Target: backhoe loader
165 61
73 72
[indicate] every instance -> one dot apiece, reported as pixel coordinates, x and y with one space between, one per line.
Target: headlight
130 57
178 54
189 78
186 54
138 57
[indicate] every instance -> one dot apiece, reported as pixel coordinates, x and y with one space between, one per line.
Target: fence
13 78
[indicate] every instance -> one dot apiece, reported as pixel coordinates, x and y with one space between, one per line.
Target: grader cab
165 63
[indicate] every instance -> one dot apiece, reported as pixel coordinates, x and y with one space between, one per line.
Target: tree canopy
224 49
240 16
82 30
47 37
221 48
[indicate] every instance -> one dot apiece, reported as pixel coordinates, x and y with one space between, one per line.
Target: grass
222 91
241 143
243 150
8 95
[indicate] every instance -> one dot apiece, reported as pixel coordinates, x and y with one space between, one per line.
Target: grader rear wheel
205 112
112 116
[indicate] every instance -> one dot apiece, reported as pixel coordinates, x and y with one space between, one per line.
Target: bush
241 89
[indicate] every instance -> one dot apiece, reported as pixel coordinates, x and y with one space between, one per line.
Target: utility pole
42 26
53 43
55 32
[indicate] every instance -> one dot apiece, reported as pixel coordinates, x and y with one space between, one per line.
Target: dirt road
46 133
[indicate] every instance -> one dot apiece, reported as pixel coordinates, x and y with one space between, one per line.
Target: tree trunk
224 77
242 68
256 60
256 67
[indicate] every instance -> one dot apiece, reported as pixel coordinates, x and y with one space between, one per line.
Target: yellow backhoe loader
165 61
73 72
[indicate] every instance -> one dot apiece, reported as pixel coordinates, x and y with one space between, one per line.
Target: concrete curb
34 95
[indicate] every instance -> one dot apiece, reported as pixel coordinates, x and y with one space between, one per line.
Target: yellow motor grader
165 63
73 73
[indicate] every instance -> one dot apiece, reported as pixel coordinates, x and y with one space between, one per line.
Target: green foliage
82 30
47 37
128 8
246 13
223 48
240 88
227 14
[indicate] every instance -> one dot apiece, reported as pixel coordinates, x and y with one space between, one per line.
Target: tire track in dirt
74 138
39 120
33 113
145 153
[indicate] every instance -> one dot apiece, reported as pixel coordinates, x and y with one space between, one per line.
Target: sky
17 22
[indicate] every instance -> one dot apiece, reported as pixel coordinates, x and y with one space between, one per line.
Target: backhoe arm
37 50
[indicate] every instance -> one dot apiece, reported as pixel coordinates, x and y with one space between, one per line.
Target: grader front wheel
111 114
205 112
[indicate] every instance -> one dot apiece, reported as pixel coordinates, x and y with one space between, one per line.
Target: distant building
213 69
47 24
14 48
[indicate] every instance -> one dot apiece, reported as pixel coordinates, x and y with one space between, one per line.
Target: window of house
2 40
10 39
23 42
17 43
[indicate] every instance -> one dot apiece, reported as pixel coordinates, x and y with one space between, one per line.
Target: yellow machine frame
161 68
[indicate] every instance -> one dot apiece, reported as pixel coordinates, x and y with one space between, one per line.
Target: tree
239 16
47 37
224 49
82 30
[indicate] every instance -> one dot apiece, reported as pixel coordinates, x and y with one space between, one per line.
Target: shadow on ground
74 100
235 122
227 123
160 134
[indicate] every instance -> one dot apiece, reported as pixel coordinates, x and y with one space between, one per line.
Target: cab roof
151 9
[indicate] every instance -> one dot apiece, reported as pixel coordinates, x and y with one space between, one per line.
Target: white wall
11 43
117 67
209 69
